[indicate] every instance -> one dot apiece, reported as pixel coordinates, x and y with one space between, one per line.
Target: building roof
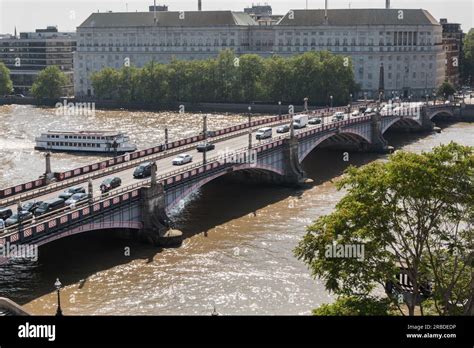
354 17
168 19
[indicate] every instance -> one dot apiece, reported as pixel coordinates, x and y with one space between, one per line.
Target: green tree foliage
6 85
415 211
467 69
49 83
355 306
446 89
228 78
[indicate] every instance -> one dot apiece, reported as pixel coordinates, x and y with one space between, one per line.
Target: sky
28 15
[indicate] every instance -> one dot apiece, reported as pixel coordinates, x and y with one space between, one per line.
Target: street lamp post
279 110
350 103
204 153
250 128
331 97
306 104
166 138
58 286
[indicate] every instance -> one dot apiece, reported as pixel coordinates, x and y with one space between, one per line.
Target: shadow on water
76 258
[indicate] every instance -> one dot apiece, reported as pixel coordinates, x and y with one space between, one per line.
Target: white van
264 133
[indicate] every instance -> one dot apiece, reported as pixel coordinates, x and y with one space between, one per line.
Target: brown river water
238 252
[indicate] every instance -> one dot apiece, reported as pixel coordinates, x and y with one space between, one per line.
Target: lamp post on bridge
58 286
250 128
279 110
166 138
331 97
350 103
305 104
204 128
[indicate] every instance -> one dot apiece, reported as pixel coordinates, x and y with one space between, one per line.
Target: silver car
182 159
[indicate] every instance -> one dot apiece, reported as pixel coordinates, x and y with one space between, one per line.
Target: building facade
407 42
27 55
452 44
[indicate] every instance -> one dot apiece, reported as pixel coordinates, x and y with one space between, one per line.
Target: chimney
199 5
387 4
326 12
154 11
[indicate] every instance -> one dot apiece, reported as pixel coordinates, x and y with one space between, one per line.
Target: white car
182 159
355 113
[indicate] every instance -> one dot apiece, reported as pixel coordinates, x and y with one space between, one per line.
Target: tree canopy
49 83
413 212
6 85
228 78
446 89
468 57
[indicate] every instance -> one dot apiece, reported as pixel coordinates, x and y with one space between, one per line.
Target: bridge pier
378 144
294 174
157 226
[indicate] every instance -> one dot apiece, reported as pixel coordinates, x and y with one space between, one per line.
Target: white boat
85 141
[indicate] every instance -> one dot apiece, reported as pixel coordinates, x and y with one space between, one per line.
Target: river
238 252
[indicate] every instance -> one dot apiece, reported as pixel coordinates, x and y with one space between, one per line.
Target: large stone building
452 43
407 42
32 52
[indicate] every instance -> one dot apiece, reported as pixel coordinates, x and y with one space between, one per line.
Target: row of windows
57 143
79 137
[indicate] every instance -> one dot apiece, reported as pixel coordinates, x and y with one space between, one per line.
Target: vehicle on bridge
283 129
77 198
71 191
182 159
85 141
49 205
355 113
5 213
315 120
110 183
205 147
264 133
18 217
300 121
143 170
338 116
31 206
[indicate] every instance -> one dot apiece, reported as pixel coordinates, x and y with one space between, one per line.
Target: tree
6 85
446 89
468 57
250 71
49 83
353 306
414 211
105 83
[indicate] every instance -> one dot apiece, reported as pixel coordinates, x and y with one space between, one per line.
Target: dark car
110 184
205 147
143 170
70 191
22 216
31 206
77 198
283 129
5 213
49 205
315 120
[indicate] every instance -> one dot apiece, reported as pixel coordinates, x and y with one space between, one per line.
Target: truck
300 121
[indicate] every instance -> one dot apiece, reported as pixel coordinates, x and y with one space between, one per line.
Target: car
368 111
182 159
19 217
31 206
205 147
76 198
263 133
5 213
315 120
49 205
143 170
70 191
355 113
338 116
447 102
110 183
283 129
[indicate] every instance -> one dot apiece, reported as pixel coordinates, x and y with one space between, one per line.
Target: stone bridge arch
409 121
258 169
353 133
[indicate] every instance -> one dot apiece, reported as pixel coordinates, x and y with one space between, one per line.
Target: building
407 42
32 52
452 44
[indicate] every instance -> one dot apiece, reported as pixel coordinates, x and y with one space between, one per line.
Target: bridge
143 206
